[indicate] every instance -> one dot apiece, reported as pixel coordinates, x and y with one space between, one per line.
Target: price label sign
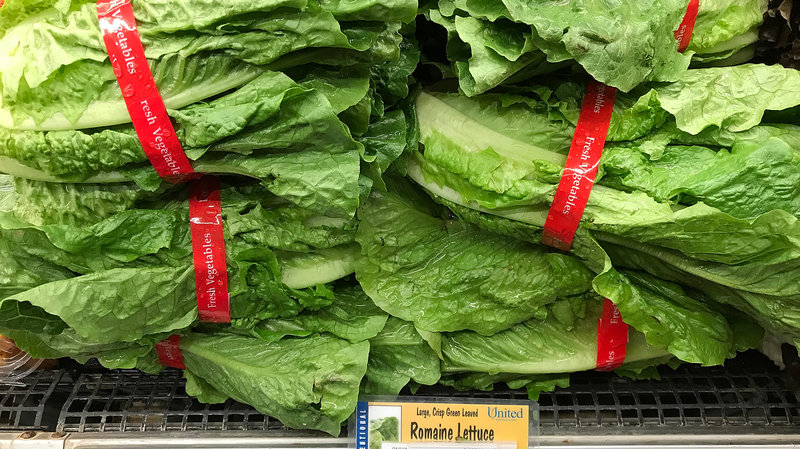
444 423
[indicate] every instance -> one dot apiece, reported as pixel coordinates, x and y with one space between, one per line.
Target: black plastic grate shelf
740 394
687 397
747 393
27 404
130 401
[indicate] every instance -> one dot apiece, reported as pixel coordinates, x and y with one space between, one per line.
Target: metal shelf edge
237 440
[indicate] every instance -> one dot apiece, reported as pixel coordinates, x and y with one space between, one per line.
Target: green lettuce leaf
726 25
491 41
731 98
445 276
398 355
478 162
537 347
271 129
195 53
352 316
306 383
534 384
777 314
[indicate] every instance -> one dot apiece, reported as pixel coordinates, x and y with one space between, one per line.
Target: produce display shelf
748 402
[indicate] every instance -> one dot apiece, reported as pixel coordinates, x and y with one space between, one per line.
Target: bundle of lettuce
622 44
496 308
116 276
113 287
699 183
284 91
93 272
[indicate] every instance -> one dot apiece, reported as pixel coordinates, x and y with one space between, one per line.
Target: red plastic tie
208 249
612 338
145 105
169 352
684 32
580 170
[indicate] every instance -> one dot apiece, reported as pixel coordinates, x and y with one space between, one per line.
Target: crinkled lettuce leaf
399 354
352 316
272 129
195 52
534 347
444 276
130 277
726 25
306 383
621 44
